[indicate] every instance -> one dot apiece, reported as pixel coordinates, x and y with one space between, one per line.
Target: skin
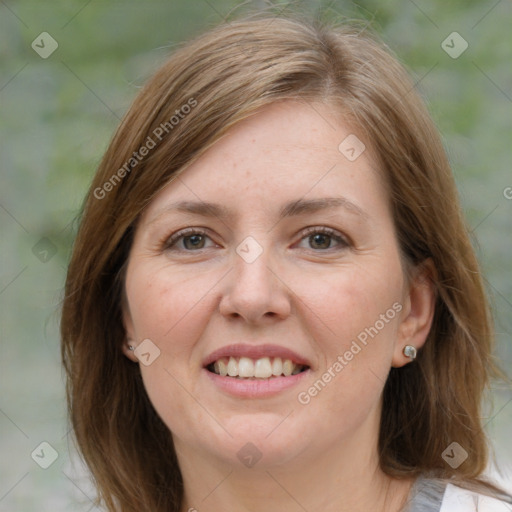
313 295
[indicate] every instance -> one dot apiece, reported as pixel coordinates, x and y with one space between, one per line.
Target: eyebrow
293 208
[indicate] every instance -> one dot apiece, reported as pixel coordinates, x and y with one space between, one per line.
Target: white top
430 495
456 499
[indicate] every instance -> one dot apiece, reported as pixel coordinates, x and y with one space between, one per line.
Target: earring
130 347
410 352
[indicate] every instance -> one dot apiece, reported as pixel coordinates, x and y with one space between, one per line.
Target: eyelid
325 229
341 238
176 236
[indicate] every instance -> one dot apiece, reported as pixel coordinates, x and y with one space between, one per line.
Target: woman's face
256 286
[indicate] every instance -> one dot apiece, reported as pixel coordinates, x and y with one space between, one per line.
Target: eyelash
171 241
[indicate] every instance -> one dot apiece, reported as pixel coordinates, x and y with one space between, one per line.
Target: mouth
255 362
255 369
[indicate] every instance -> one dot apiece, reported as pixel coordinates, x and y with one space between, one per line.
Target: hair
224 76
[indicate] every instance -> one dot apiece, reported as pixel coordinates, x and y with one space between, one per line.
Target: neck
342 478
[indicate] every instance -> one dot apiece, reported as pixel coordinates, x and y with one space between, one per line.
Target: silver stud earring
410 352
130 347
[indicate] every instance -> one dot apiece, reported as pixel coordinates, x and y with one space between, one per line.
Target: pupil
197 240
321 236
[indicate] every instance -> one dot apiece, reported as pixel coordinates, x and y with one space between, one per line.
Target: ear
418 311
130 334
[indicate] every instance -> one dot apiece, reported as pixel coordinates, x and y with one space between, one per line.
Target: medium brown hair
224 76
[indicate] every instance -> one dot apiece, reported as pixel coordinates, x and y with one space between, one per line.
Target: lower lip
255 388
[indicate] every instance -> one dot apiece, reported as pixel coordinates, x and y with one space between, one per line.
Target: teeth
287 367
220 367
245 367
277 366
232 367
263 368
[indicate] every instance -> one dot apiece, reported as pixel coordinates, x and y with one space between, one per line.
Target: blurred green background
57 115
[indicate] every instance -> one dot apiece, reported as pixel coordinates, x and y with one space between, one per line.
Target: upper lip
255 352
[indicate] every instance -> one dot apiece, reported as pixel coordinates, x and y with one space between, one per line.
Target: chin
258 439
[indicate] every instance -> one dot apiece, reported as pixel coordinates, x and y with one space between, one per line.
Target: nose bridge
254 291
252 263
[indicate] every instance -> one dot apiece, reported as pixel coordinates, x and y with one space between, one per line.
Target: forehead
287 150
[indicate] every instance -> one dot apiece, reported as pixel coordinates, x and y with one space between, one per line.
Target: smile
251 370
261 368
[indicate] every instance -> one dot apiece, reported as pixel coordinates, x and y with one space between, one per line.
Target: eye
320 238
192 238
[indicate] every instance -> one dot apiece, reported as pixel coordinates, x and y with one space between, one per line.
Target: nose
254 290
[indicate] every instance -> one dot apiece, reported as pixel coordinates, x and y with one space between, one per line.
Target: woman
272 302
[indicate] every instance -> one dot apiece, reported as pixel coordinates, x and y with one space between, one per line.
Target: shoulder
456 499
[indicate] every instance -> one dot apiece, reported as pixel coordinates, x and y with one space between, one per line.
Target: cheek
166 305
354 317
350 301
354 322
